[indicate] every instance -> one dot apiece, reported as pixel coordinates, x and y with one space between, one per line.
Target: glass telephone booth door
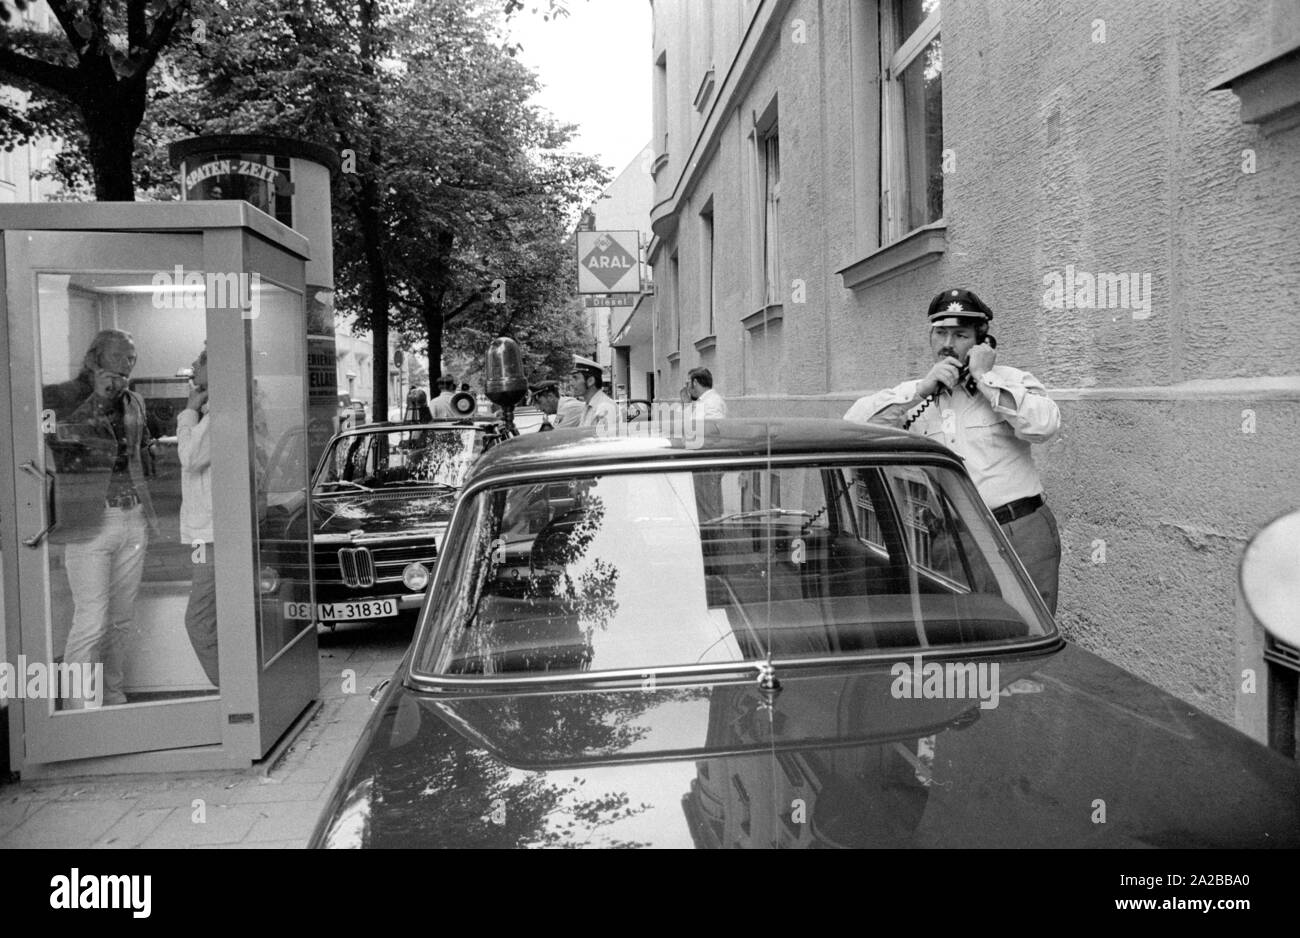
155 534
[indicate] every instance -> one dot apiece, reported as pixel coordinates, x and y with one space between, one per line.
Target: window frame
894 194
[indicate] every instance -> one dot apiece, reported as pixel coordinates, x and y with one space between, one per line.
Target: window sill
705 90
923 246
706 344
1269 88
767 314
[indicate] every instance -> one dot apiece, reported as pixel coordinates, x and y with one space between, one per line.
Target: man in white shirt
440 406
706 403
989 417
194 450
560 411
588 380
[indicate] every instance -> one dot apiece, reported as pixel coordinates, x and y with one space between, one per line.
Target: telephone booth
155 544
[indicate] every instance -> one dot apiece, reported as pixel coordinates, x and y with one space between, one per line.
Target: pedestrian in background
194 450
440 406
698 395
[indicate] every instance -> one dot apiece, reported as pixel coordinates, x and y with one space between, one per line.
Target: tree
90 86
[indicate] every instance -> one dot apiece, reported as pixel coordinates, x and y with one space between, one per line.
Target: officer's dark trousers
1038 544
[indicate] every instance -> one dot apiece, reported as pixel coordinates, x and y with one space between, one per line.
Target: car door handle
32 469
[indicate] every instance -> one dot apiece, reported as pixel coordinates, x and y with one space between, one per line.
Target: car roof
393 426
733 438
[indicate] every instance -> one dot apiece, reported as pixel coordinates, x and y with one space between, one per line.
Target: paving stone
285 822
15 812
134 828
280 791
67 824
183 796
223 824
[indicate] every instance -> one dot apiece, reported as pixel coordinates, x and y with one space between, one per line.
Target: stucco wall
1107 157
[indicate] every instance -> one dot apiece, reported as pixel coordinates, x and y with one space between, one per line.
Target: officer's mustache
947 352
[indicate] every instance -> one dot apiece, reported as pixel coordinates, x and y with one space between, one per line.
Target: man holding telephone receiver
988 414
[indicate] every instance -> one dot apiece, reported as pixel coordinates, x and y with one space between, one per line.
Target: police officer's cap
546 387
959 306
587 365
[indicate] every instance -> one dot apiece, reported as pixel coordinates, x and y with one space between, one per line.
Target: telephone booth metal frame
105 256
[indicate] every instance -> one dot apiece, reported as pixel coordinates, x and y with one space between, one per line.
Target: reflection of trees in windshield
439 790
560 549
537 609
423 457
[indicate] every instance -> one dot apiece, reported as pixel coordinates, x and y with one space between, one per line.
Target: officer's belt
1018 509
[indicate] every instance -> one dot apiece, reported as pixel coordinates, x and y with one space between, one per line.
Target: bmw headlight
415 576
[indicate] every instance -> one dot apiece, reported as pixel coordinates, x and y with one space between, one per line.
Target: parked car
784 633
381 498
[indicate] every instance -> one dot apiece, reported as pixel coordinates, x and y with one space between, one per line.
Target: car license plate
344 612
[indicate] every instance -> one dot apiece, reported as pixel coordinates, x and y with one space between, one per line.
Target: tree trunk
112 110
432 298
377 268
431 313
368 207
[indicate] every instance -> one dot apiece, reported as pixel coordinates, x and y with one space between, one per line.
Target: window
709 295
770 148
675 269
661 107
911 172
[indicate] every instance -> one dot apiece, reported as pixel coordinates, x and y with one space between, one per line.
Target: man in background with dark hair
699 395
440 406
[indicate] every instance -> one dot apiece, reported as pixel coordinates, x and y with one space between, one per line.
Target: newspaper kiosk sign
609 262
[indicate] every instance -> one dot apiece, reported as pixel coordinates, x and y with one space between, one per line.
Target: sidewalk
250 808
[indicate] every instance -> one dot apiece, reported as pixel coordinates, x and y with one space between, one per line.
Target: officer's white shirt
568 413
992 439
600 411
710 405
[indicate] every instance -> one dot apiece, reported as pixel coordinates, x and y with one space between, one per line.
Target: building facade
1120 183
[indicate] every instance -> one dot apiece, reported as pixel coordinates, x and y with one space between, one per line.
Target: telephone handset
963 378
963 374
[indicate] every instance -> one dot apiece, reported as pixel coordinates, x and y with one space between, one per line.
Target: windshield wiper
759 513
342 482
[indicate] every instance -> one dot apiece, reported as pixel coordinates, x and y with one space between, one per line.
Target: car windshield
644 570
410 457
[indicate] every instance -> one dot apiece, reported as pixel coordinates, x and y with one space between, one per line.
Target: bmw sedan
381 499
769 634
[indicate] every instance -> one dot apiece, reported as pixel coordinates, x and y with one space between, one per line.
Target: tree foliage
452 214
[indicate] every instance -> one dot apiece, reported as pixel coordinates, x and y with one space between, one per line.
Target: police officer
599 409
560 411
988 414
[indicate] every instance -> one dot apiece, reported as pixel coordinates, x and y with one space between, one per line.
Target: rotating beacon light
506 384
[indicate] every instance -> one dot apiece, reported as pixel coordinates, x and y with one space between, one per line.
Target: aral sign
609 262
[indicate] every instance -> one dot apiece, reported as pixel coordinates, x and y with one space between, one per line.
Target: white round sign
1270 577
